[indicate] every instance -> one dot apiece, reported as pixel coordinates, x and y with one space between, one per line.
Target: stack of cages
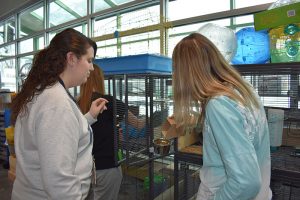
278 88
143 84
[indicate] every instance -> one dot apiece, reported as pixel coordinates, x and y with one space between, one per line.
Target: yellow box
9 132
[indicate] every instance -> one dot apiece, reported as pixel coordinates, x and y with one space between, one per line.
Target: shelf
269 68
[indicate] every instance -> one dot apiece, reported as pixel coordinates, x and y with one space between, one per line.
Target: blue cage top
136 64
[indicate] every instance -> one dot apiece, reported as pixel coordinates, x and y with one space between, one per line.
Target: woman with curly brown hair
53 139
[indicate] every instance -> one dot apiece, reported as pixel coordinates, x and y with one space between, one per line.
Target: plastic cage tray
136 64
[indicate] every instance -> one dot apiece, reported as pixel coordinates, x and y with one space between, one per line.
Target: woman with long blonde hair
236 155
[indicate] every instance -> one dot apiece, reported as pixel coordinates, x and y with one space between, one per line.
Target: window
10 30
8 74
32 44
181 9
81 28
7 51
107 48
31 20
1 34
245 3
140 18
99 5
67 10
141 43
25 66
105 26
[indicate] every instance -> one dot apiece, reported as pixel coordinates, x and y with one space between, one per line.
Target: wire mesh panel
188 180
285 182
145 104
278 88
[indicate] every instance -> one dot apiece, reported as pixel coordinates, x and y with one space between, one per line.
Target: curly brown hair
47 65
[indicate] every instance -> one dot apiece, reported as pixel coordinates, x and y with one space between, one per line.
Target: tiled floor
5 184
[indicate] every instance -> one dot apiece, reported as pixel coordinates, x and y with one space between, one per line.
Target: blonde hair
200 72
95 83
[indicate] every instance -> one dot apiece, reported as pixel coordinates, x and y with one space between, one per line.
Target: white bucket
275 122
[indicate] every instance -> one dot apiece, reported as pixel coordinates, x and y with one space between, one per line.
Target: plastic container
275 122
253 47
160 184
136 64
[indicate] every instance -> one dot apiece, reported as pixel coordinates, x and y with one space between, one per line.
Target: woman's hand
98 106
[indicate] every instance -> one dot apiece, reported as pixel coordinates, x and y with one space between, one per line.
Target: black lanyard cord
63 84
89 127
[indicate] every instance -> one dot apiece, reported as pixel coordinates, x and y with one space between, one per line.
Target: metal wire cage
278 87
148 98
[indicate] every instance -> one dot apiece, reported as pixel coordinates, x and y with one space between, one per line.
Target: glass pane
24 61
31 44
181 9
99 5
244 19
141 43
25 66
32 20
105 26
79 28
10 31
177 33
246 3
67 10
1 34
140 18
6 51
8 74
107 48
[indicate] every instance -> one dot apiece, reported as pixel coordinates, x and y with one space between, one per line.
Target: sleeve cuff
90 118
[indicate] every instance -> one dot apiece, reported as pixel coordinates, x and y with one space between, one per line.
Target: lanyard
89 127
63 84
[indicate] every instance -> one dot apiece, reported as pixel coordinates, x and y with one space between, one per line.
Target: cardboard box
291 137
277 17
171 130
188 140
